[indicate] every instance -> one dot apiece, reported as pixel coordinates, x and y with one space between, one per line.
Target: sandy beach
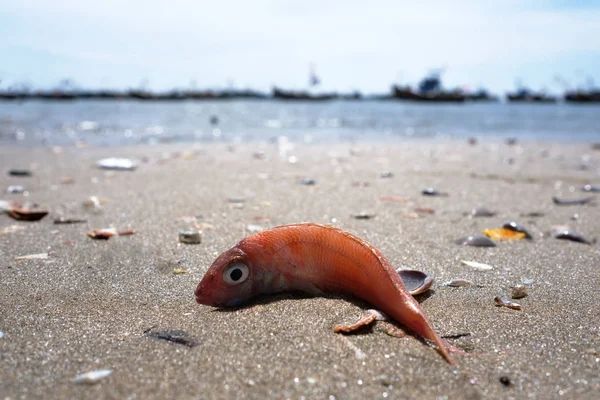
89 305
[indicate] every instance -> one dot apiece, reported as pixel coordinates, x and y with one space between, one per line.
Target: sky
352 44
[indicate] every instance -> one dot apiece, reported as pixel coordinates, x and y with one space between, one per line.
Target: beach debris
477 265
476 240
534 214
1 335
92 377
214 120
254 228
502 302
173 336
67 180
363 215
94 203
576 202
458 283
424 210
455 335
505 380
235 199
307 181
15 189
568 234
518 291
411 215
127 232
416 282
396 199
179 271
38 256
503 234
102 234
117 163
11 229
20 172
528 282
482 212
66 221
432 192
590 188
190 236
516 227
204 226
27 215
386 174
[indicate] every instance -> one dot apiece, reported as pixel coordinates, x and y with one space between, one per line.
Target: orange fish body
313 258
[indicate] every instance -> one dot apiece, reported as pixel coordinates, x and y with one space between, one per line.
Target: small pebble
15 189
505 380
519 291
386 174
190 237
482 212
363 215
476 240
431 192
307 181
516 227
591 188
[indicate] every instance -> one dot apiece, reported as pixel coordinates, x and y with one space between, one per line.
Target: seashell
518 291
15 189
502 302
476 240
432 192
458 283
190 237
416 282
102 234
516 227
116 163
482 212
363 215
576 202
92 377
503 234
27 215
477 265
569 234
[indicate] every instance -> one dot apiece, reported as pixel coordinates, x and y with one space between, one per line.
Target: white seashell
92 377
477 265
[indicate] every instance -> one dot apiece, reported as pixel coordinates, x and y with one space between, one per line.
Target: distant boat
580 96
430 90
481 95
292 95
527 96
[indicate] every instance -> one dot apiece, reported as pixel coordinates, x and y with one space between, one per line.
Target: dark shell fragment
432 192
416 282
175 336
476 240
516 227
27 215
576 202
568 234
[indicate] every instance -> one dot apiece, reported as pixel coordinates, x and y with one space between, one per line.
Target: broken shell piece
476 240
64 221
15 189
102 234
515 226
571 235
179 271
27 215
502 302
503 234
116 163
363 215
190 237
94 203
307 181
432 192
416 282
518 291
39 256
458 283
576 202
254 228
477 265
174 336
482 212
92 377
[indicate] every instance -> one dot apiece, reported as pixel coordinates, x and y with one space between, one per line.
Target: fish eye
236 273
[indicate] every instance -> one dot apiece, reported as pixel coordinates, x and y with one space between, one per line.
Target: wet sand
88 305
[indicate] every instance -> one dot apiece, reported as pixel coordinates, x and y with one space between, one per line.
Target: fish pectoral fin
366 319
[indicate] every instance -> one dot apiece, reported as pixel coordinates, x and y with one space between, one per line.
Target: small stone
190 237
519 291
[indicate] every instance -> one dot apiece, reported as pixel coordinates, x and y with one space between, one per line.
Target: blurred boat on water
525 95
430 90
583 96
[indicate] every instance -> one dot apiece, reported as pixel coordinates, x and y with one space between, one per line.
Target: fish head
228 282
